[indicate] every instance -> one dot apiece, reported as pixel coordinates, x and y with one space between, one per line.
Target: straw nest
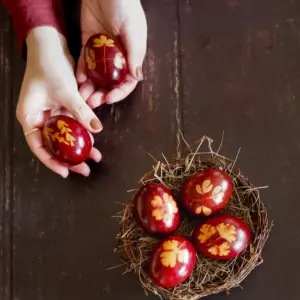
209 276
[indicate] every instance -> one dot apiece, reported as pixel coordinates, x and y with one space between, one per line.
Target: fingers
35 142
87 89
134 39
82 112
82 169
136 50
81 75
32 125
76 103
95 155
97 99
122 91
90 95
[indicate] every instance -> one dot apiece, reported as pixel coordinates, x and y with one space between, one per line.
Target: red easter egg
156 211
172 261
206 192
105 61
222 237
67 140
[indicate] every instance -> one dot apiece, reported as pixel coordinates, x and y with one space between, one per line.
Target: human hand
121 19
49 87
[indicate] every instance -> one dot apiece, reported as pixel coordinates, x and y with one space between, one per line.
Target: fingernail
96 124
64 174
139 73
109 100
99 158
82 78
87 174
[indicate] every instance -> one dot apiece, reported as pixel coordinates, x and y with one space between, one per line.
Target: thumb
135 43
82 113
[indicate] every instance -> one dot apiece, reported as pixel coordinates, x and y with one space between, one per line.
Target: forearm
29 14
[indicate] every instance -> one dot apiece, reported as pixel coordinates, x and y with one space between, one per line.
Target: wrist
45 40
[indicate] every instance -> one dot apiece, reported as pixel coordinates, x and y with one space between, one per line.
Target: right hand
49 87
118 18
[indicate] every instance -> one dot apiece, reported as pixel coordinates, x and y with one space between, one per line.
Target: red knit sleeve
27 14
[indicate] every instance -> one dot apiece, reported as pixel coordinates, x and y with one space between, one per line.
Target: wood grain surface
240 75
227 66
6 152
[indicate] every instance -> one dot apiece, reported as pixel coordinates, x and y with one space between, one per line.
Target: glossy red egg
67 140
207 192
156 210
105 61
172 261
222 237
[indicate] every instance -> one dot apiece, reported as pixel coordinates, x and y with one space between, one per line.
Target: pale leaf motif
172 253
227 232
206 232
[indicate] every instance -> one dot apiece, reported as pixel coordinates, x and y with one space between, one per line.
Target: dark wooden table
229 65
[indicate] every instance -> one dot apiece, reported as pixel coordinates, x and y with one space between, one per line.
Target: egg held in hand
67 140
156 210
222 237
206 192
172 261
105 61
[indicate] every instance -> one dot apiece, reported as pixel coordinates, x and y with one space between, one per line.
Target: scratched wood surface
240 74
211 66
6 111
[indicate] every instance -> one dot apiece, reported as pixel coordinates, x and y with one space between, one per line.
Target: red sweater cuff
28 14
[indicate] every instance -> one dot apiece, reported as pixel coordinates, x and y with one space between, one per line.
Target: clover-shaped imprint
172 253
221 250
219 237
103 41
164 207
216 193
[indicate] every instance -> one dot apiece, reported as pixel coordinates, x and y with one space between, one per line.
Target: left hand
49 88
119 18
